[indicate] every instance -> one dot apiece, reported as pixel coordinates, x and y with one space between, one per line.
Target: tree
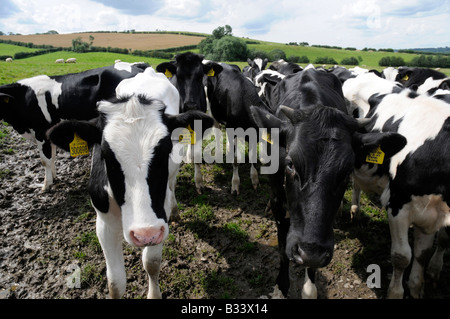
350 61
223 46
220 32
78 45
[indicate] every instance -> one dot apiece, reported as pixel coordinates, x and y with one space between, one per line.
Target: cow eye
290 166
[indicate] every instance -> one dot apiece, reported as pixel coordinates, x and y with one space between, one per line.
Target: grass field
45 64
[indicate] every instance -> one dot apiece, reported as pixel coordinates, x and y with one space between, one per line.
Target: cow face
130 166
322 148
187 73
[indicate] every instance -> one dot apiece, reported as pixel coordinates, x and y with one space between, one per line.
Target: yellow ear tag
406 77
168 73
188 137
266 137
6 99
211 73
376 157
78 147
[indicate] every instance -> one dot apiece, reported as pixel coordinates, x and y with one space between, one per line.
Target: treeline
422 61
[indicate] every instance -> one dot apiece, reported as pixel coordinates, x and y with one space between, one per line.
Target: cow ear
188 119
365 144
167 68
445 85
63 133
6 99
264 119
212 69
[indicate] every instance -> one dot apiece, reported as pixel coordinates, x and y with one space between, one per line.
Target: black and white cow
319 148
285 68
254 67
359 89
133 170
414 77
415 182
187 73
231 95
35 104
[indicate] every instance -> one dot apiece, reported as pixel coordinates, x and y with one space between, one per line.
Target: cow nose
150 236
311 255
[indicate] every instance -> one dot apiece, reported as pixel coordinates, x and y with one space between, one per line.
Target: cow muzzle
149 236
310 255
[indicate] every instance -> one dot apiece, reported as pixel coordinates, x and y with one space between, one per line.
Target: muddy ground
224 246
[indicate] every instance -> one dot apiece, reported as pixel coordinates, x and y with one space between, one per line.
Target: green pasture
9 49
45 64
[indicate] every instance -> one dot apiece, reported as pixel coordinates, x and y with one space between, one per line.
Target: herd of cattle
388 132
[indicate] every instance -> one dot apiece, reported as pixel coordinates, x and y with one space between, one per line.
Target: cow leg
309 290
277 201
422 246
400 250
170 194
356 196
47 152
437 260
151 258
196 153
109 233
254 176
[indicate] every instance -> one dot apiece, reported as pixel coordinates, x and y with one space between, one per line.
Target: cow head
322 148
131 162
187 73
255 66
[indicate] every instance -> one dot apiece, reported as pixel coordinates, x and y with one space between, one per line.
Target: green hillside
45 64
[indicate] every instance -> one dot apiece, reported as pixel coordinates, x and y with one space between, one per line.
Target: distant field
134 41
45 64
8 49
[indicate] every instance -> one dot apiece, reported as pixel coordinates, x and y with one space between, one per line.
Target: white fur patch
153 85
422 119
41 84
133 143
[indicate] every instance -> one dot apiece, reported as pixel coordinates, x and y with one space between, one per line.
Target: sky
397 24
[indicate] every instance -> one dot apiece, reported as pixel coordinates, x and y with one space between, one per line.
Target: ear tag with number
405 78
78 146
211 73
6 99
168 73
188 137
266 137
376 157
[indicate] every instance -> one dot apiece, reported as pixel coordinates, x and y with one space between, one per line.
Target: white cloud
357 23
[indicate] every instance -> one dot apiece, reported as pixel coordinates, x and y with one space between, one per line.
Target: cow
33 105
71 60
414 77
265 82
59 61
319 146
8 60
132 170
415 183
254 67
187 73
231 95
359 89
285 67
